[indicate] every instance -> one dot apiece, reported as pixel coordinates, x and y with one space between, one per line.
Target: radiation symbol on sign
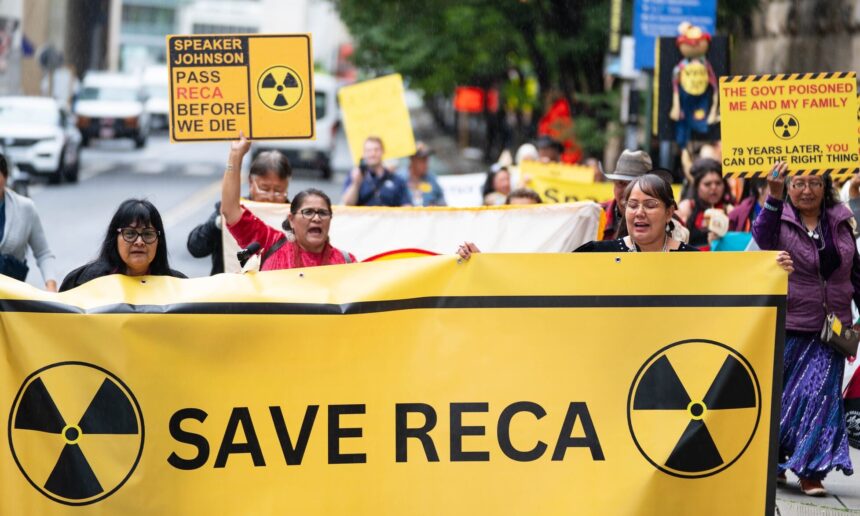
280 88
76 432
786 127
693 408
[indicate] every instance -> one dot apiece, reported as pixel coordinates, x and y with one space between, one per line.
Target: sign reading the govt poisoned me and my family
259 84
806 120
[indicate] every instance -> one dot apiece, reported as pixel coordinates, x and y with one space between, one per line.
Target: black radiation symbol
693 408
76 432
279 88
786 127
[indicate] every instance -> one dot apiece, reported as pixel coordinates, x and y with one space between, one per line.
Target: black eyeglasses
130 235
309 213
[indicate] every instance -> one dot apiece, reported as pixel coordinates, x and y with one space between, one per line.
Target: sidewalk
843 497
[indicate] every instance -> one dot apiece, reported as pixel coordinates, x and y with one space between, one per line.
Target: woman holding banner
649 206
814 227
134 245
307 244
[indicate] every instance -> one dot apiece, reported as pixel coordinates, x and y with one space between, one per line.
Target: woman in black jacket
134 245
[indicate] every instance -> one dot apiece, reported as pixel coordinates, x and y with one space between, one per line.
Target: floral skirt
812 435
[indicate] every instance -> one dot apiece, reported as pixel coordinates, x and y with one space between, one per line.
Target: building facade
798 36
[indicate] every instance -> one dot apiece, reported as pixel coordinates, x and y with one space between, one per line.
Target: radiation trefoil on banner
418 386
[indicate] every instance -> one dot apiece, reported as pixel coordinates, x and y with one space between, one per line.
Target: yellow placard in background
560 182
260 84
556 182
572 173
377 108
807 120
419 386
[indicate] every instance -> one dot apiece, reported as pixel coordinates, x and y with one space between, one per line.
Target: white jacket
23 228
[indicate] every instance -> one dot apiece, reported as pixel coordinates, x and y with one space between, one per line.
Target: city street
182 180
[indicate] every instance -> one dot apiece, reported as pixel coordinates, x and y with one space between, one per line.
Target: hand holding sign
241 146
776 180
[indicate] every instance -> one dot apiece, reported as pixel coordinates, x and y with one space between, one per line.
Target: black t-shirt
618 246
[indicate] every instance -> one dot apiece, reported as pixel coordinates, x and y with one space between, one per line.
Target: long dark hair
752 186
142 213
4 167
704 166
489 182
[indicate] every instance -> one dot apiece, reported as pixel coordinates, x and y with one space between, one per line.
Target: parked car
157 88
313 154
112 105
40 138
18 181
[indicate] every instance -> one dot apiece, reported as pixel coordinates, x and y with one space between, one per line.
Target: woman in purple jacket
813 226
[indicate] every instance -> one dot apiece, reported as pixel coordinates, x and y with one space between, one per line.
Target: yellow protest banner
558 183
807 120
260 84
377 108
418 386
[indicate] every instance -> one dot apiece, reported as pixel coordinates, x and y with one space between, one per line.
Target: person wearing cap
549 149
371 184
423 187
630 166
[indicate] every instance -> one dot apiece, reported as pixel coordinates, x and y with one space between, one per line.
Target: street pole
649 108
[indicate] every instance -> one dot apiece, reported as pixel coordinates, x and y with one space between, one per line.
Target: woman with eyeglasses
815 228
268 181
305 245
649 205
134 245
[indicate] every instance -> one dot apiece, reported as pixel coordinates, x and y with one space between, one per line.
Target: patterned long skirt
812 436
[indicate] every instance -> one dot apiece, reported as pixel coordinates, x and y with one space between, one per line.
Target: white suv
314 154
39 137
112 105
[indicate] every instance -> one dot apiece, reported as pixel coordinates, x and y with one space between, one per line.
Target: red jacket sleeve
249 229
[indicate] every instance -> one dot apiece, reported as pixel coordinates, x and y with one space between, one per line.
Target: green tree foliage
439 44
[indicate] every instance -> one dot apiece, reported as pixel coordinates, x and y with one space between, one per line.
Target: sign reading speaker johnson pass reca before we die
808 121
261 85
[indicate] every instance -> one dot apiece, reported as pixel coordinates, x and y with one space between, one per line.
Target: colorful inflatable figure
694 85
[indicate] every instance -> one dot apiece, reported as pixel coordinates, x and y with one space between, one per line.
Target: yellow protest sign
260 84
417 386
807 120
556 183
573 173
377 108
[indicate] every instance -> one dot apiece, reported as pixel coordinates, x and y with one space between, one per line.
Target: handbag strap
270 251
